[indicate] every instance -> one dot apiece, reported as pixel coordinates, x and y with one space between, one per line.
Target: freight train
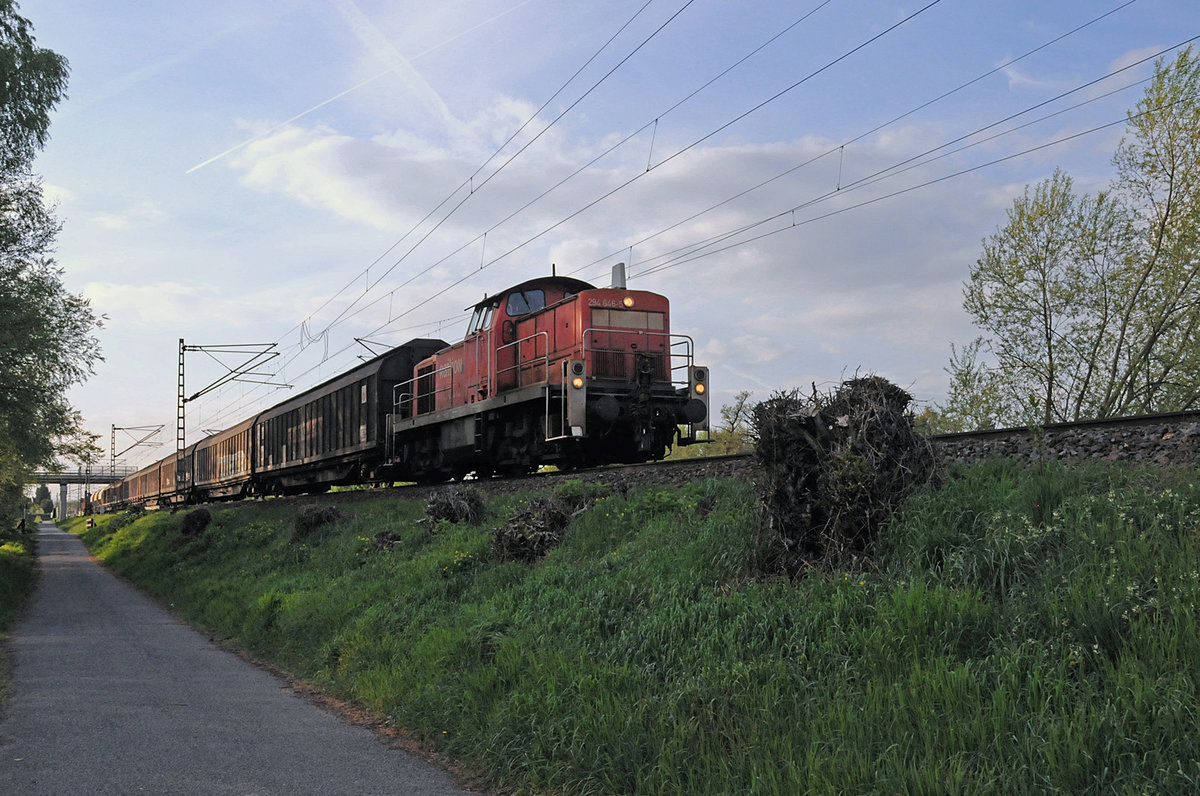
553 371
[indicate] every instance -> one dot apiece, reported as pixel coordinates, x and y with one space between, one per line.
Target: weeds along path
110 694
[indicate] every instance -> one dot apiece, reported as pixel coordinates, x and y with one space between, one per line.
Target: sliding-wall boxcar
153 485
334 433
223 466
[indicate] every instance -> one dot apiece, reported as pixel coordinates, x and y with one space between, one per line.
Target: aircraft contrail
355 87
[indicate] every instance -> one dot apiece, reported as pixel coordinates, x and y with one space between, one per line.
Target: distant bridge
81 475
103 475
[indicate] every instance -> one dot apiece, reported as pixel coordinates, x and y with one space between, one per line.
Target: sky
808 182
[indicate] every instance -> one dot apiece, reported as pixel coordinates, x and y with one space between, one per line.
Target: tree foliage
730 436
1089 304
46 333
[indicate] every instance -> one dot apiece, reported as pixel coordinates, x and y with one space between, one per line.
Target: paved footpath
111 695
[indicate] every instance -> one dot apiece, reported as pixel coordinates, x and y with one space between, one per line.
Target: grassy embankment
1022 631
16 572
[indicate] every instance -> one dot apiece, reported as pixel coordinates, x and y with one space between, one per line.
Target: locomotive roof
567 283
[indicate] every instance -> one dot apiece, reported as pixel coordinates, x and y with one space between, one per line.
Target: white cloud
137 215
1019 81
56 194
179 305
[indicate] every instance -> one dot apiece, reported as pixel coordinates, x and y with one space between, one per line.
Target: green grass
16 574
1020 631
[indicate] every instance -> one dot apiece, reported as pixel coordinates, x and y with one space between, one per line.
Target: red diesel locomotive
551 371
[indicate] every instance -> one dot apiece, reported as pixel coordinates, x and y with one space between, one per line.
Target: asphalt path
112 695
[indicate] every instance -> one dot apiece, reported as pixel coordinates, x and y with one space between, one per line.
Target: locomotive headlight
697 406
577 382
627 301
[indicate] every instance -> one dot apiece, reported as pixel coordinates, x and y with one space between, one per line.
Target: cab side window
525 302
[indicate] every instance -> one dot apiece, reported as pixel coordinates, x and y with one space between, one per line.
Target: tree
46 340
731 436
975 398
42 499
1156 362
1089 304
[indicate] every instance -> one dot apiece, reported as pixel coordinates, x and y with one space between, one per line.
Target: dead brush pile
455 505
534 528
194 522
833 468
310 519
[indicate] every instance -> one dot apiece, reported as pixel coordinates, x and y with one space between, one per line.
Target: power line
637 177
923 159
482 236
874 200
877 128
345 314
469 182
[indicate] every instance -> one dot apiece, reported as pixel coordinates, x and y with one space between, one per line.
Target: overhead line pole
260 354
149 431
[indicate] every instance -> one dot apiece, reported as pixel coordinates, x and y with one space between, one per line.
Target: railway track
1166 418
1164 439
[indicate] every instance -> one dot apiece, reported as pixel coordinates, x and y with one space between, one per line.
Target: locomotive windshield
482 319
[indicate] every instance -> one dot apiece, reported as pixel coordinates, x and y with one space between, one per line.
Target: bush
455 505
195 522
130 515
311 519
834 467
535 527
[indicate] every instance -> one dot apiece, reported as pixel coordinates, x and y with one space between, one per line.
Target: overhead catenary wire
922 158
671 157
443 291
877 128
892 195
469 183
346 311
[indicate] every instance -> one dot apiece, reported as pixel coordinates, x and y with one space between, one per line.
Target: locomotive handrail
413 395
518 365
397 400
674 340
688 356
